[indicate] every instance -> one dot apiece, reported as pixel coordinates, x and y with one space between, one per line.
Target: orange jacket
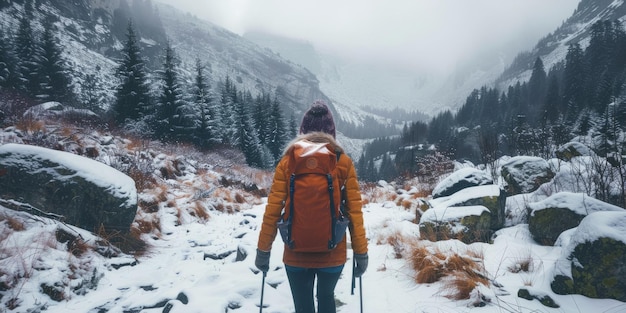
276 202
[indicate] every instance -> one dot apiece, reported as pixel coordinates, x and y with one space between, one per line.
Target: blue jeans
301 281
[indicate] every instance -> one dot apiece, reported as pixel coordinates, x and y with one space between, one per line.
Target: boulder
593 264
491 197
77 190
465 223
550 217
463 178
524 174
57 110
572 149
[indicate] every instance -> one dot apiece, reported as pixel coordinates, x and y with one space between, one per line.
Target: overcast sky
428 34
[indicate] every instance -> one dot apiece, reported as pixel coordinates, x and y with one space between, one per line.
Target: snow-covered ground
199 262
177 275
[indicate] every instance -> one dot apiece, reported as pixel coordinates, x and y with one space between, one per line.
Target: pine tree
574 81
91 96
293 127
28 55
246 137
172 116
227 112
277 131
54 79
387 168
261 116
7 62
208 123
133 94
537 87
552 104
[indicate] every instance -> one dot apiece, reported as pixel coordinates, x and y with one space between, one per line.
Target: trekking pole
353 277
361 291
262 290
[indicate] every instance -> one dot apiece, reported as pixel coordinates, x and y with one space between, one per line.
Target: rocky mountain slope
553 47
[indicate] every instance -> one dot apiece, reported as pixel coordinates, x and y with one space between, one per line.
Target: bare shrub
12 222
397 242
200 211
522 265
127 242
460 286
239 198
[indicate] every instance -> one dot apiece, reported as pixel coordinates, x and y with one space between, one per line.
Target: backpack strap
292 188
342 188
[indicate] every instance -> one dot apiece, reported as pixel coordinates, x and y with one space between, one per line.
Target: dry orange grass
78 247
397 241
142 179
423 193
200 211
459 287
13 223
145 226
31 125
239 198
135 143
460 273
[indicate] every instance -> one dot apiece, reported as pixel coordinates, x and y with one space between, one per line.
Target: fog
432 35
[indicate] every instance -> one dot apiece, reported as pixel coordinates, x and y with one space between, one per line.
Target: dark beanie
318 119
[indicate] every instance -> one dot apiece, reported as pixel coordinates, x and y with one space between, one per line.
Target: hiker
303 267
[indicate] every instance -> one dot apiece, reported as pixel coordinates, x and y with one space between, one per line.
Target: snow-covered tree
133 98
173 120
227 111
246 137
54 79
7 61
277 131
261 113
293 127
28 54
574 81
207 122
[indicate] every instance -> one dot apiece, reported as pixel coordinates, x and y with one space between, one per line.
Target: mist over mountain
358 83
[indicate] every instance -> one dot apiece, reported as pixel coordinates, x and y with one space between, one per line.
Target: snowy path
181 276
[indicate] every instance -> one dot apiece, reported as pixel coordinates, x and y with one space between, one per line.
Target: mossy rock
491 197
468 229
495 204
571 150
562 285
599 269
547 225
561 211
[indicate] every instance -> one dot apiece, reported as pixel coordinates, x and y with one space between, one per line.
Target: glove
262 261
361 264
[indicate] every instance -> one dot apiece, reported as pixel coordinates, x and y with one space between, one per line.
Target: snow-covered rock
524 174
491 197
75 189
550 217
466 223
594 262
463 178
573 149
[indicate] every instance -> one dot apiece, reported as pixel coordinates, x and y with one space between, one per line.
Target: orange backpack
313 219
